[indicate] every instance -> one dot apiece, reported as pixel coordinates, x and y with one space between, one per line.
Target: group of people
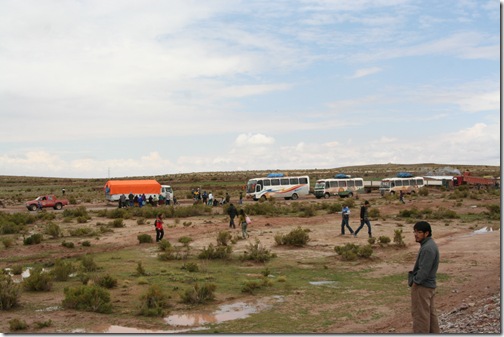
243 219
210 200
422 279
141 200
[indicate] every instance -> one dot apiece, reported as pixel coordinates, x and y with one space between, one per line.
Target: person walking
401 196
158 223
364 219
243 221
232 212
241 198
422 280
345 218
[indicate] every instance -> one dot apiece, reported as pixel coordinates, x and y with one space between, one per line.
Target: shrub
223 238
16 324
77 212
197 295
185 240
140 269
371 240
252 286
257 253
165 246
86 243
398 238
62 270
144 238
87 298
107 281
7 242
191 267
423 191
351 251
9 292
88 263
68 244
38 281
374 213
33 239
297 237
53 230
153 302
45 324
82 231
213 253
494 212
117 223
334 208
17 269
383 240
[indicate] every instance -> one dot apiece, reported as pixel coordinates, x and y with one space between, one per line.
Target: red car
43 201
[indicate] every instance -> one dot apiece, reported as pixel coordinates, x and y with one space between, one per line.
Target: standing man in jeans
422 281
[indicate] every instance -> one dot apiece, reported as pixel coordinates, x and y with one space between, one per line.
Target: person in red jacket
159 227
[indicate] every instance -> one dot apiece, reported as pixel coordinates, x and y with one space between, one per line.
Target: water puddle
321 283
19 278
123 329
49 309
226 312
483 230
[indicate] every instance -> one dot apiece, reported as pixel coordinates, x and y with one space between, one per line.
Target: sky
123 88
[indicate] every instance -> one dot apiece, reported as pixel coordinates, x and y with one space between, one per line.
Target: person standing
345 215
364 219
232 212
122 201
401 196
131 198
422 280
210 199
241 198
243 221
158 223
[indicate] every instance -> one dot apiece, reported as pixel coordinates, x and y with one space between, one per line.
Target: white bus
396 184
278 186
343 187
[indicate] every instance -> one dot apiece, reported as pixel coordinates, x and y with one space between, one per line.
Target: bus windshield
320 185
251 186
385 184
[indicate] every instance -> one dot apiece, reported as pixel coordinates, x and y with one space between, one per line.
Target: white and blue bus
275 185
342 187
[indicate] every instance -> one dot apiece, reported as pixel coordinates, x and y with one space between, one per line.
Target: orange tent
133 186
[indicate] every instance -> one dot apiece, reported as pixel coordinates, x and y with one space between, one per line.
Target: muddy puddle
196 321
483 230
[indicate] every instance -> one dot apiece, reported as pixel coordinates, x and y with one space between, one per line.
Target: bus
278 186
396 184
342 187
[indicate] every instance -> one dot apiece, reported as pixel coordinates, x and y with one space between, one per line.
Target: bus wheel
294 196
392 192
326 195
263 198
350 195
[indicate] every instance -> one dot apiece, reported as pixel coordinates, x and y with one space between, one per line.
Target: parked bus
278 186
396 184
343 187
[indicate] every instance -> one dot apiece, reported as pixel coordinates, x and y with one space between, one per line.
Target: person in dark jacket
422 280
364 219
232 212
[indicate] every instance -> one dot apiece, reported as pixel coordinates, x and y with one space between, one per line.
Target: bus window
284 181
342 183
419 182
398 183
334 184
359 183
275 182
327 184
405 182
294 181
303 180
267 182
412 182
351 183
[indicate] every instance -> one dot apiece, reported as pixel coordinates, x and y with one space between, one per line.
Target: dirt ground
470 255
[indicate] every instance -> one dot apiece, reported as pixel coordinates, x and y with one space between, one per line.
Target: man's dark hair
423 226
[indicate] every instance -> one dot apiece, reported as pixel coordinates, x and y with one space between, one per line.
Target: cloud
366 72
244 140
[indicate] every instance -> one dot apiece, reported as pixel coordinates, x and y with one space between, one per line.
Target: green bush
197 295
33 239
185 240
252 286
297 237
17 269
7 242
257 253
17 324
88 263
213 253
334 208
38 280
140 270
153 302
68 244
423 191
107 281
398 238
145 238
53 230
86 243
87 298
117 223
9 292
374 213
351 252
494 212
223 238
62 270
82 231
165 246
191 267
384 240
45 324
76 212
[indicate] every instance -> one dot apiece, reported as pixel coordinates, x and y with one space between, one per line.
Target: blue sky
131 88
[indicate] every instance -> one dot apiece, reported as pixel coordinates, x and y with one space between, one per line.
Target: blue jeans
362 222
344 223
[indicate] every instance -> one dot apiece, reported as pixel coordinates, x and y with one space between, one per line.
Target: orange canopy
133 186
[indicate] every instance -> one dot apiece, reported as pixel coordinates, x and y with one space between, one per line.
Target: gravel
483 316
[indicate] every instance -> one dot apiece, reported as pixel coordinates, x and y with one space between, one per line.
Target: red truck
467 178
44 201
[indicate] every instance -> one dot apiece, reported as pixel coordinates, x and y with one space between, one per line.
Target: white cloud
366 72
249 139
